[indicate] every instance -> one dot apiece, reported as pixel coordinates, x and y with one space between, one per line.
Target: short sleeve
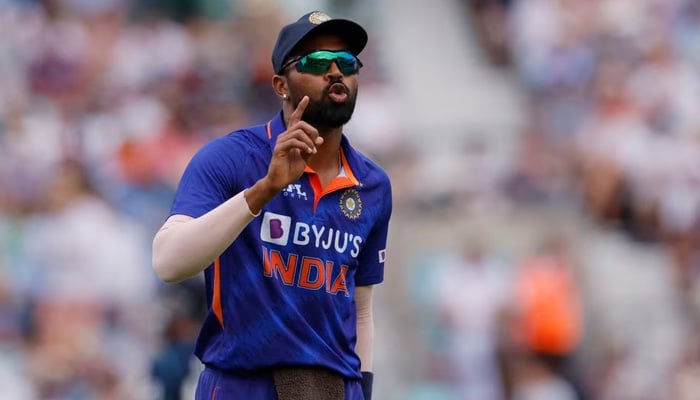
371 259
210 178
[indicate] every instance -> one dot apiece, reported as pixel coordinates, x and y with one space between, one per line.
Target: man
289 224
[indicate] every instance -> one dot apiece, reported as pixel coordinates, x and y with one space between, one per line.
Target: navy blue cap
316 22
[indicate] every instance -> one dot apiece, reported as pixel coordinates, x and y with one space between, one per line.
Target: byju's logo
279 229
275 228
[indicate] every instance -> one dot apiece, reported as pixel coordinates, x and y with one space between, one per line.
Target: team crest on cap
318 17
351 204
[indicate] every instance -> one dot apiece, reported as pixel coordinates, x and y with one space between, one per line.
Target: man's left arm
365 336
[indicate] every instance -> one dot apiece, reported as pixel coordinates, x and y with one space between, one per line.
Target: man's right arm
185 246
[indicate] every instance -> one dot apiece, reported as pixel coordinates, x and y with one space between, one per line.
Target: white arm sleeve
185 246
365 327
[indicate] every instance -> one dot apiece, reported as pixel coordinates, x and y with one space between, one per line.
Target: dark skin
302 144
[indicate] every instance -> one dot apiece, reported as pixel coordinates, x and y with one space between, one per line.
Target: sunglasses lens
318 62
348 63
314 65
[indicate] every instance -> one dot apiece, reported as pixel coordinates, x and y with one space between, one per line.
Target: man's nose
333 71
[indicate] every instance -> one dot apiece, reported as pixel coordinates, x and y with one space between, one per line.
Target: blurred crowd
612 137
615 89
102 102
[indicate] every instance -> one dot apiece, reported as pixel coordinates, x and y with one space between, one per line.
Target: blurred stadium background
545 156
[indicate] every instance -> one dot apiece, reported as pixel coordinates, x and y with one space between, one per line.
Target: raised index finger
299 111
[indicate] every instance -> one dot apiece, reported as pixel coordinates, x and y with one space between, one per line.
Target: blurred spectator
472 288
489 17
546 321
79 239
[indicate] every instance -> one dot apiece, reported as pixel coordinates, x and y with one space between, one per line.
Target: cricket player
289 224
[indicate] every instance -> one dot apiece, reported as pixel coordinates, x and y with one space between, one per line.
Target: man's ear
279 85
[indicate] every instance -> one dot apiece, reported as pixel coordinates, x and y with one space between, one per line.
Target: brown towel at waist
306 383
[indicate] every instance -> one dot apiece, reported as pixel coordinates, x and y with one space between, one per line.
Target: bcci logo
351 204
318 17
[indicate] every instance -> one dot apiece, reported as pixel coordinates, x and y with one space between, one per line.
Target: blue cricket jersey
282 293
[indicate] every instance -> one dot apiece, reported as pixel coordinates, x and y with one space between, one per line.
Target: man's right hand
289 158
293 149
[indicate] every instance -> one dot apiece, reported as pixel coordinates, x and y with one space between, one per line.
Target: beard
326 113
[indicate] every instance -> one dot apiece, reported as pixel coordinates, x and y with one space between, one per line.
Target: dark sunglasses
318 61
